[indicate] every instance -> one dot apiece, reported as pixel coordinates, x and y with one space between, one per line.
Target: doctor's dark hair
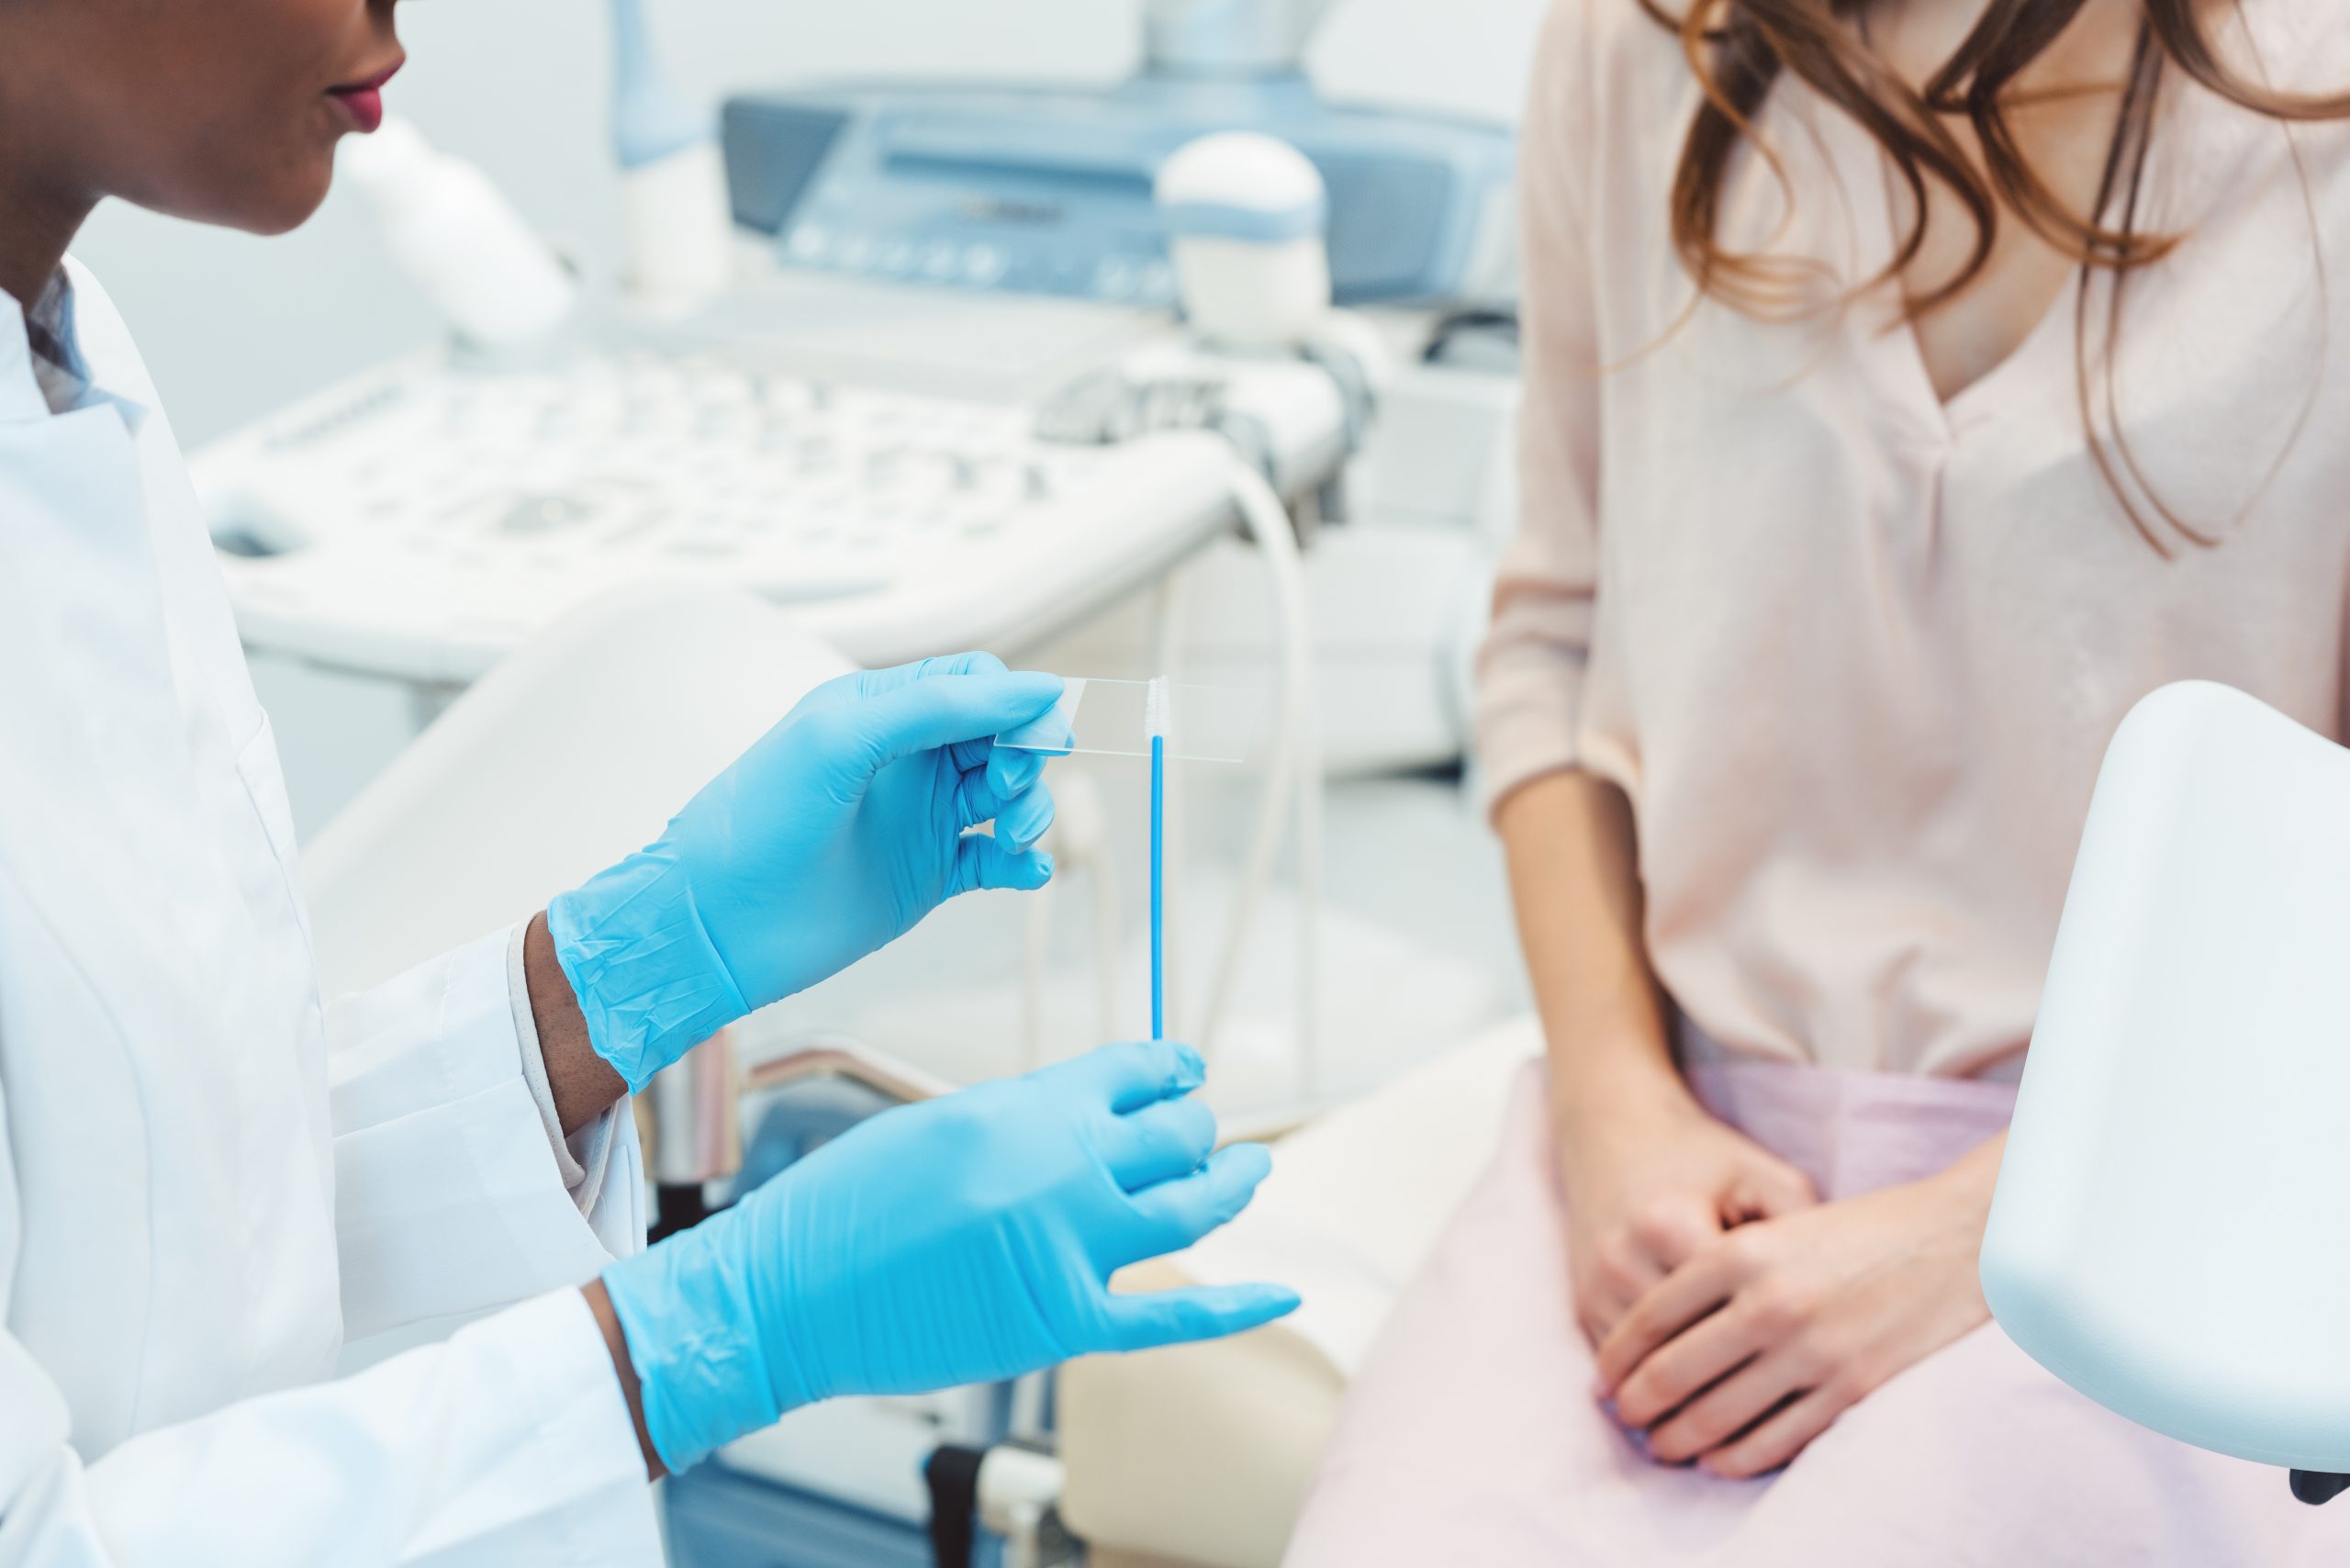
1740 47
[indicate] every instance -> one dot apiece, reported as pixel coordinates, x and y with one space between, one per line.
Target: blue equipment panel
717 1517
1048 190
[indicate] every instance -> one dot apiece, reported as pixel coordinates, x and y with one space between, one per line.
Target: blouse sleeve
1530 675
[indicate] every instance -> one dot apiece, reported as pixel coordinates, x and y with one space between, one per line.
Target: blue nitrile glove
830 838
963 1240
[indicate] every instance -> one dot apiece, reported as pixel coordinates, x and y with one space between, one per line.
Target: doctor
207 1180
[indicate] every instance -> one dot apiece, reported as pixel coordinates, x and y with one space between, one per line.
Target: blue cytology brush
1155 725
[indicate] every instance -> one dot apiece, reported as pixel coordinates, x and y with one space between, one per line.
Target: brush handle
1158 887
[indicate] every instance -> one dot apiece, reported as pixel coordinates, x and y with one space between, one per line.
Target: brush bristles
1154 712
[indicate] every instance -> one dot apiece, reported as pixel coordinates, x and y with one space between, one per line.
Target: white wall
233 326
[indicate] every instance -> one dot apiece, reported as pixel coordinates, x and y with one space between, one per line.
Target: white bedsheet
1357 1199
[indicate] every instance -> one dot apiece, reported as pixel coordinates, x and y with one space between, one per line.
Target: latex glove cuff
648 977
700 1358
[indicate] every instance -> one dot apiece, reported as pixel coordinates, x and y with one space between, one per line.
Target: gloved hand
830 838
963 1240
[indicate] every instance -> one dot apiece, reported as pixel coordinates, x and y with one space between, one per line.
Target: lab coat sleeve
451 1194
507 1445
1530 674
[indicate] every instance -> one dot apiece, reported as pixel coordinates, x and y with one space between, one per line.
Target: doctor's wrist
608 1322
689 1311
584 1085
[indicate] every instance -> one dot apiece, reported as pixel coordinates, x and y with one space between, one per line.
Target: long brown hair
1740 47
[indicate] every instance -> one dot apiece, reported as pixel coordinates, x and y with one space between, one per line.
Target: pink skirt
1471 1437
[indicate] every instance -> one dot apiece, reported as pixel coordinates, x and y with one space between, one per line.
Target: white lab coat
207 1180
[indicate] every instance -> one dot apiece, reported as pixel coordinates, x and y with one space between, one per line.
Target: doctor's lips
364 101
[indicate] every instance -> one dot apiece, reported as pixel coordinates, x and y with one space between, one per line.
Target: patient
1904 402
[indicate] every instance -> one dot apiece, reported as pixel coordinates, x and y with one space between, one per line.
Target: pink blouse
1854 652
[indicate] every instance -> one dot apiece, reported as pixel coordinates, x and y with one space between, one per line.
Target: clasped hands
1736 1317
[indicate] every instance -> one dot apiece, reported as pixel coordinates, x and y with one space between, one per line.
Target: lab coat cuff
581 1441
447 1197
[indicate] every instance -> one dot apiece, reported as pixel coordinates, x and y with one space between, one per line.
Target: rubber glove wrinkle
640 948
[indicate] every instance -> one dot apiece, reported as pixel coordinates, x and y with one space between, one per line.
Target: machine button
537 514
1116 278
984 265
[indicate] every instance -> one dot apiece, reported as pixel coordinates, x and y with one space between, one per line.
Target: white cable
1294 772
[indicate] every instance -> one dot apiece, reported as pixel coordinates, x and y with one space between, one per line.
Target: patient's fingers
1604 1295
1767 1191
1697 1287
1615 1265
1669 1231
1595 1318
1779 1439
1690 1362
1728 1408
